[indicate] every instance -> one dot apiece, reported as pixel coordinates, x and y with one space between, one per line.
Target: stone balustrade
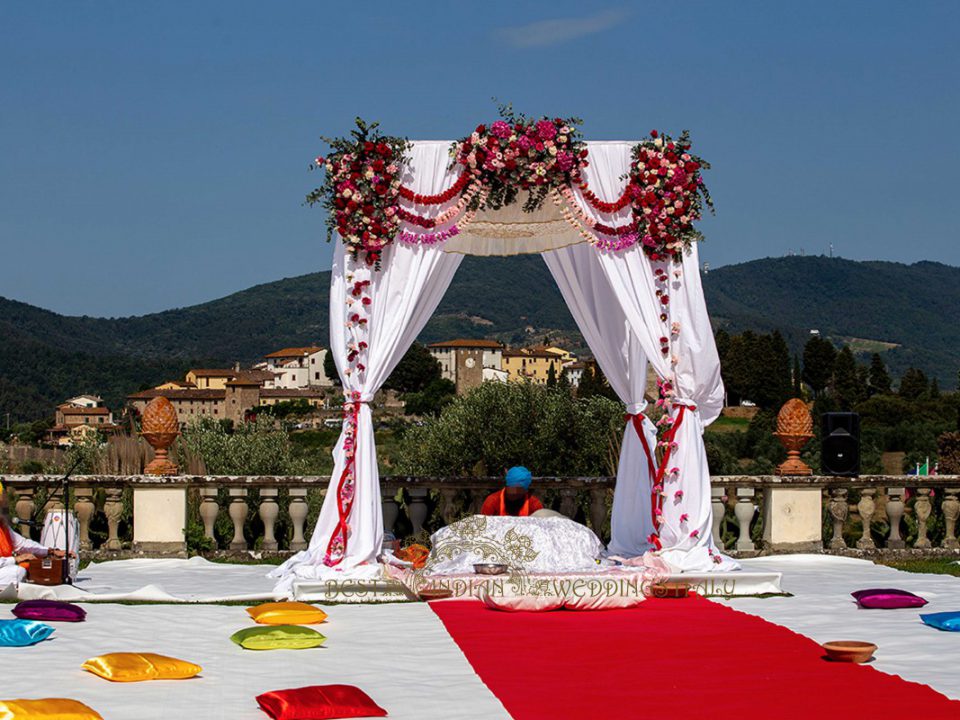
274 514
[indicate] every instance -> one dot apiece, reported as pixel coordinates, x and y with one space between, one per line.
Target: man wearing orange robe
515 499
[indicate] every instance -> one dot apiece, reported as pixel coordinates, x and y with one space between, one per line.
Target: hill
905 310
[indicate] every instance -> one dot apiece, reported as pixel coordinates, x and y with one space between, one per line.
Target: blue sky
154 154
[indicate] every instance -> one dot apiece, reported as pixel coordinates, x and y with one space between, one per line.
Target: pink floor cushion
49 611
887 599
319 702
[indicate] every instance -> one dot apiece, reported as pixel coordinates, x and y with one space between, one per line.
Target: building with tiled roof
297 367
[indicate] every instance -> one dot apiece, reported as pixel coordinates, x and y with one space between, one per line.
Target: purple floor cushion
943 620
887 599
49 611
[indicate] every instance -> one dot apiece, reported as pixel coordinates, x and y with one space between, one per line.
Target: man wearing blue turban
515 498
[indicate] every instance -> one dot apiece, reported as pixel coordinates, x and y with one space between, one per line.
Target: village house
78 418
296 367
535 363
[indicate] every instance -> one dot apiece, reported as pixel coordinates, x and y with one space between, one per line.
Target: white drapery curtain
685 532
403 296
604 326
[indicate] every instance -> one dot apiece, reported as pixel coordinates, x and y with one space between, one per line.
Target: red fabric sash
337 545
524 511
657 471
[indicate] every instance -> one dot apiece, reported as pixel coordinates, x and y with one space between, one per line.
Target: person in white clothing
15 550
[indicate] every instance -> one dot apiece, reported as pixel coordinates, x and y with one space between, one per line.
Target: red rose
654 133
368 146
481 129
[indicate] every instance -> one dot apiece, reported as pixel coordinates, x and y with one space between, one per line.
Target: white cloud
552 32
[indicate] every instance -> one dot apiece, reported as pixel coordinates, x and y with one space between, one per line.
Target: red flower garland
444 197
629 193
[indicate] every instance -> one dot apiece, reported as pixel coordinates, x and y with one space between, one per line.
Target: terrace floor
403 655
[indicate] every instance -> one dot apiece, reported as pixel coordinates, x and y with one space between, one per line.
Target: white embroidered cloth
533 545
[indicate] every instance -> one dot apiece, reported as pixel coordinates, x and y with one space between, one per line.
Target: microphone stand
65 483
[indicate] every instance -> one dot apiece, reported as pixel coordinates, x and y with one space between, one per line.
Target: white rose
561 138
553 149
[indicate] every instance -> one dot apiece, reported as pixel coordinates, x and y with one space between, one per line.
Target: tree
913 384
878 378
551 376
330 368
934 392
819 355
415 371
432 399
797 378
846 385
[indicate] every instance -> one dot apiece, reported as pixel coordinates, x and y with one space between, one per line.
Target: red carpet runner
671 659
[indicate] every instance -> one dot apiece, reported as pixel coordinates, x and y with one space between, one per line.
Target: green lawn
938 566
729 424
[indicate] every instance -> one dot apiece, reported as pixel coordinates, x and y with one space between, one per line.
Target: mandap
614 222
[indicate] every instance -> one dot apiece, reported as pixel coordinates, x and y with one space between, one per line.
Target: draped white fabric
604 326
404 294
685 533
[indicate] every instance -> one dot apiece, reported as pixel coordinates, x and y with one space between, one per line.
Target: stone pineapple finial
794 429
160 428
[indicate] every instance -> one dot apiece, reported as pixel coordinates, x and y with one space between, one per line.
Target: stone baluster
298 511
839 509
951 511
448 507
744 511
391 511
717 495
866 507
238 514
476 500
417 508
84 508
922 508
598 510
894 515
113 509
209 509
25 508
269 511
568 502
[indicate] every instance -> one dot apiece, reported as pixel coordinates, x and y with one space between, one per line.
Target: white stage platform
200 581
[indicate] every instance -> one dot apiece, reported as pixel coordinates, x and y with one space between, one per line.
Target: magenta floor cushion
887 599
49 611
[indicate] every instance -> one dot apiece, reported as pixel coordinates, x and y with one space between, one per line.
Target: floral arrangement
519 153
361 188
667 193
544 157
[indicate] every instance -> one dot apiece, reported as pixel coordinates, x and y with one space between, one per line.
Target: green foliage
330 368
255 448
846 384
913 384
415 371
439 393
755 368
878 378
498 425
948 449
286 409
819 356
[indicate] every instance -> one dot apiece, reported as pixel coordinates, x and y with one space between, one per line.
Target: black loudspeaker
840 444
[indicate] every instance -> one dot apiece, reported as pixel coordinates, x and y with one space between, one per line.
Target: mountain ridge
46 356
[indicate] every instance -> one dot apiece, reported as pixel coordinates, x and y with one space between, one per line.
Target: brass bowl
428 594
670 590
490 568
853 651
